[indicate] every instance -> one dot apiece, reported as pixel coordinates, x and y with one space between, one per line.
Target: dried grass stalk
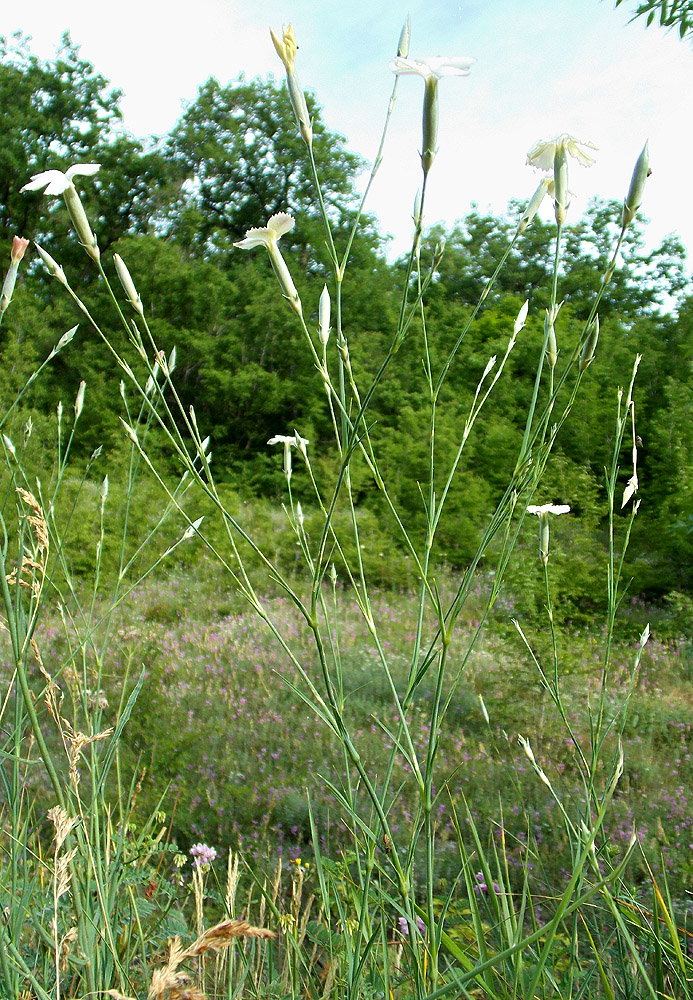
176 984
222 934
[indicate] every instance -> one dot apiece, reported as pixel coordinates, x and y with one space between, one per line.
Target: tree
62 112
672 14
642 283
244 160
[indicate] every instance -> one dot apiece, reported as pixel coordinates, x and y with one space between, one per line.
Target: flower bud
404 39
550 338
79 400
19 245
637 187
286 50
54 268
80 222
534 204
128 284
438 253
431 114
587 355
521 318
560 179
324 317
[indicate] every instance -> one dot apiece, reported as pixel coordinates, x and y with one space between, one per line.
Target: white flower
549 508
542 513
436 66
282 439
431 70
57 182
268 237
289 442
542 154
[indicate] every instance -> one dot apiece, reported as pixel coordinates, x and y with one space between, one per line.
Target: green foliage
242 158
231 690
671 14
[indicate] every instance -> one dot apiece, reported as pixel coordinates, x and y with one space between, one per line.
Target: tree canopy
173 209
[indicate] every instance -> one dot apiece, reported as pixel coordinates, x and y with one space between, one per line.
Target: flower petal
256 237
548 508
434 66
541 155
82 169
455 66
281 223
401 67
54 181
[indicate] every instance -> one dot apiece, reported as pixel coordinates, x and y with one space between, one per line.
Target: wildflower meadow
394 702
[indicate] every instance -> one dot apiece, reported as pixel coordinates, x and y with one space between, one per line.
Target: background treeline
172 208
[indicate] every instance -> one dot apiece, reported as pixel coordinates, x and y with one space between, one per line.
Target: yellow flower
286 47
286 50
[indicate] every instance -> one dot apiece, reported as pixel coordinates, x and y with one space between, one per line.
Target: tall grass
380 918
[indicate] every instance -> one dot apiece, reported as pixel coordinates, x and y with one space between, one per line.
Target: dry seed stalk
36 520
74 744
176 983
52 695
222 934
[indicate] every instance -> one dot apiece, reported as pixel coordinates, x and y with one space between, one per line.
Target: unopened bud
79 400
404 39
324 317
19 245
521 318
560 179
587 355
438 253
192 529
128 284
550 337
534 204
637 187
431 109
80 222
54 268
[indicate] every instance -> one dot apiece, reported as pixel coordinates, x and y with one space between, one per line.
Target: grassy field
219 734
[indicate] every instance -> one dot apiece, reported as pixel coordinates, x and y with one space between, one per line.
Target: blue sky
543 67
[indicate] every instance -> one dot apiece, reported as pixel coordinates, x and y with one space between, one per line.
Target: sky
542 67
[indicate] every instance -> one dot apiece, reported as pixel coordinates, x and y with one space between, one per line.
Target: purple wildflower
202 854
403 925
481 884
